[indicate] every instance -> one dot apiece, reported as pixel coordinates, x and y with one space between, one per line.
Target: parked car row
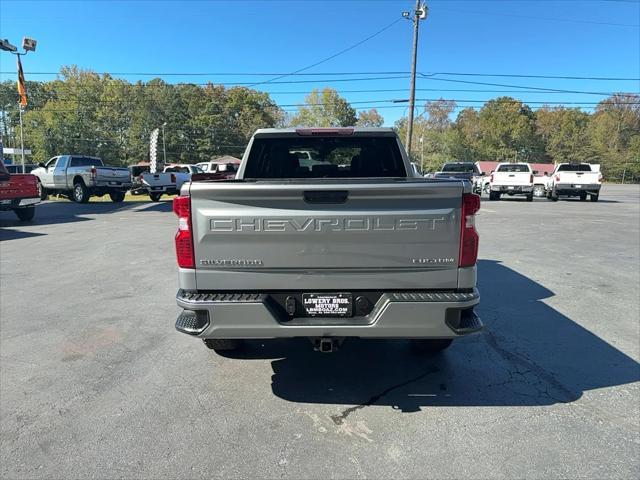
582 180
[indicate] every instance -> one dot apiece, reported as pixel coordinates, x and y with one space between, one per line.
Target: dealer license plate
328 304
578 186
114 183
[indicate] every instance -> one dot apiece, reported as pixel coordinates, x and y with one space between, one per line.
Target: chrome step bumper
395 315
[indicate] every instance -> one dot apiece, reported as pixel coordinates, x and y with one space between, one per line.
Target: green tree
467 135
564 132
325 108
508 131
369 118
614 131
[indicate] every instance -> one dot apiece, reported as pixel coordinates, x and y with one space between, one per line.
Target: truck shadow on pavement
52 213
529 354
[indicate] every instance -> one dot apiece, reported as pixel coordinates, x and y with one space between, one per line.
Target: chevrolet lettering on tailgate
345 224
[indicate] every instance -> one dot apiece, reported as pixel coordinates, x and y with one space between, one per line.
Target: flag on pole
22 89
153 150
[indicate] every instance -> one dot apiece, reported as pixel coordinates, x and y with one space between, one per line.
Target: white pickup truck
575 180
511 179
168 182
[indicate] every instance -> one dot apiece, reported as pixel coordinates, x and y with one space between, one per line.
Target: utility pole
420 13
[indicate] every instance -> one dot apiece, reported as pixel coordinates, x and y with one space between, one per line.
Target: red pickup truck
19 192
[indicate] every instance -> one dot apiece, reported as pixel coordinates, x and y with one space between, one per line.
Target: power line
552 19
542 89
334 55
520 75
328 74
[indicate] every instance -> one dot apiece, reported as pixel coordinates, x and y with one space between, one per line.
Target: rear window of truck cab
324 157
459 168
575 167
514 168
85 162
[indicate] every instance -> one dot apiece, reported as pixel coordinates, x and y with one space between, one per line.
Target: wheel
430 347
494 196
530 197
538 191
583 197
221 344
487 188
42 191
80 192
116 197
553 196
25 214
155 197
594 197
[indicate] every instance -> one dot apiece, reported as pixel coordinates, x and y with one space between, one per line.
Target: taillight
557 178
141 176
491 178
184 239
469 238
94 172
600 178
173 178
531 178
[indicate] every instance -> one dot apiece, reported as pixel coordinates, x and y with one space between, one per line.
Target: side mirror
41 165
546 174
535 172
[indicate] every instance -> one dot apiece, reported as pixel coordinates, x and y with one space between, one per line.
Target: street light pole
419 13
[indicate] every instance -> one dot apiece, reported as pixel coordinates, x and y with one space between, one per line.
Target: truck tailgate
578 178
326 236
112 174
512 178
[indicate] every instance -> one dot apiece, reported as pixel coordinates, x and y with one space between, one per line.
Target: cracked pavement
95 382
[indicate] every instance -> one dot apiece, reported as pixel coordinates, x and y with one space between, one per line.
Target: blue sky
564 38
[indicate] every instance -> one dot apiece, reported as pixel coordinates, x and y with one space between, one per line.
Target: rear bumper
112 185
576 188
168 189
395 315
18 203
521 189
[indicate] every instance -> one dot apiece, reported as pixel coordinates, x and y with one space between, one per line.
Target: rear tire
594 197
155 197
42 191
221 344
80 192
430 347
553 196
494 196
25 214
530 197
583 197
538 191
117 197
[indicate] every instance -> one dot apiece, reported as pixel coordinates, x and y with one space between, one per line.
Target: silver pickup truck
350 244
79 177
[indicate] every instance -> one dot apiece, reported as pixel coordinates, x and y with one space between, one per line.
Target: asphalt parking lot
96 383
